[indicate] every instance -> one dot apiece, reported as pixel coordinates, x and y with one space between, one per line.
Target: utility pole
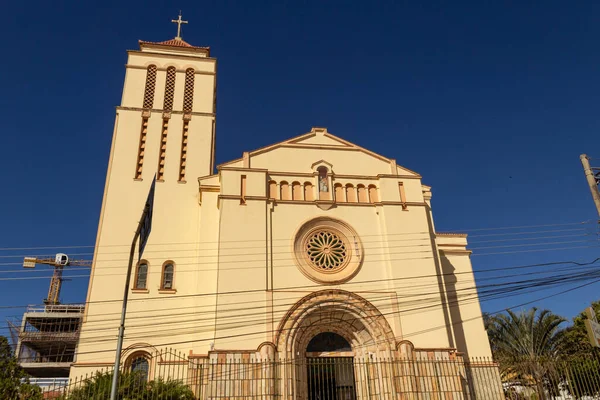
593 178
142 232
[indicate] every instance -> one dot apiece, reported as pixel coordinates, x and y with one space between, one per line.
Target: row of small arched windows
188 95
166 277
343 194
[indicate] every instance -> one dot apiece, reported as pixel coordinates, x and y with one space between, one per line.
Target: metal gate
330 378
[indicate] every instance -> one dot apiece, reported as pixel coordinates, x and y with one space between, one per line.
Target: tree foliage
577 344
132 386
525 344
13 380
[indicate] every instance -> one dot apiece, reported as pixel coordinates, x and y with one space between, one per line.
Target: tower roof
174 45
175 42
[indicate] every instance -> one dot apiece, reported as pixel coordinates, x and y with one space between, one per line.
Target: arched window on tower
141 275
150 85
308 191
188 94
296 191
168 273
340 195
373 198
362 194
169 89
138 364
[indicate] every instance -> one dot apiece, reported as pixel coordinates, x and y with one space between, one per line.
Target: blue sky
491 103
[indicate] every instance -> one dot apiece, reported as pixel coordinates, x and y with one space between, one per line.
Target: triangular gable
319 138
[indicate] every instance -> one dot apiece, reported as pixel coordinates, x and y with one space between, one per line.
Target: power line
272 331
320 286
287 239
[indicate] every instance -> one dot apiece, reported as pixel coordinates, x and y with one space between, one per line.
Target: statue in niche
323 184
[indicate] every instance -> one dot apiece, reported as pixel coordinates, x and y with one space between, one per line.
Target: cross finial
179 21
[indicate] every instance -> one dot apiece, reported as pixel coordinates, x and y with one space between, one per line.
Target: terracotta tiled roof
175 43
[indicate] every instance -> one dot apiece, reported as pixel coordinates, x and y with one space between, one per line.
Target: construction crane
59 262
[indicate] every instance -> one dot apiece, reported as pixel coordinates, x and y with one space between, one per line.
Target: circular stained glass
326 250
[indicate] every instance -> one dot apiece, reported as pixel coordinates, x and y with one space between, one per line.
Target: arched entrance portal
323 328
330 368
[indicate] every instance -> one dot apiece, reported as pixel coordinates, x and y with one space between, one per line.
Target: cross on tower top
179 21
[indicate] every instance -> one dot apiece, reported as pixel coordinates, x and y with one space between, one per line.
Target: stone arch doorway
336 314
330 368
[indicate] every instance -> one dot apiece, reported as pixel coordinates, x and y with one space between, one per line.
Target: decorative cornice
171 55
144 67
451 234
448 251
160 111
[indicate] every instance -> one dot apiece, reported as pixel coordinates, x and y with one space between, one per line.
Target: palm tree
525 343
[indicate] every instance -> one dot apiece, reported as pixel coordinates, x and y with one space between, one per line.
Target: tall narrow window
272 190
162 154
139 164
167 276
350 193
373 198
150 85
296 191
188 94
169 89
340 195
308 191
402 195
141 275
243 190
362 194
184 146
284 187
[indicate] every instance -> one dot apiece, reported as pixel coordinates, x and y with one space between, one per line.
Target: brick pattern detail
141 149
162 154
169 89
184 145
188 94
150 86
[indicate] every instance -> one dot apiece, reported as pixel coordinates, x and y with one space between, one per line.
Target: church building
310 251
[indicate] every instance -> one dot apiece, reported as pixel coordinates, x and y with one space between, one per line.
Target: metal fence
170 375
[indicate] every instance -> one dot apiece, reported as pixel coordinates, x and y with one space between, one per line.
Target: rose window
326 250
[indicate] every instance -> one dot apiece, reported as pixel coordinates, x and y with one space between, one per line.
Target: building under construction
46 338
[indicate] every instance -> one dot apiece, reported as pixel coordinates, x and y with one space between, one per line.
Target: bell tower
164 126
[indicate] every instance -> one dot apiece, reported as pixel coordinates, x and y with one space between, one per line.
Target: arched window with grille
150 86
273 190
188 94
138 364
362 194
168 273
373 198
308 191
284 188
169 89
296 191
350 193
141 275
340 195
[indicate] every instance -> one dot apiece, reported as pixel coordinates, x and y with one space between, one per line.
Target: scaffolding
47 339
